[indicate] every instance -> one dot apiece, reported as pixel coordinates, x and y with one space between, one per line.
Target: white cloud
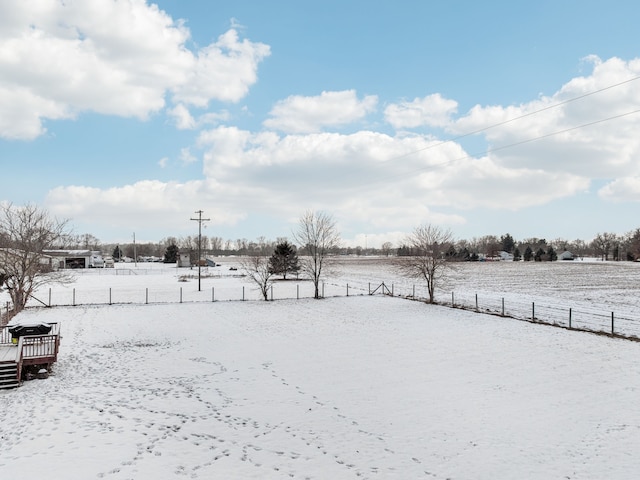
163 162
223 70
186 157
556 124
299 114
393 183
432 110
182 117
183 120
144 204
622 190
111 57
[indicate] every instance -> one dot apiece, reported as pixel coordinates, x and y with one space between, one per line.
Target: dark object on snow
23 330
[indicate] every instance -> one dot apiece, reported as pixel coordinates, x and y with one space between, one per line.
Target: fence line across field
564 315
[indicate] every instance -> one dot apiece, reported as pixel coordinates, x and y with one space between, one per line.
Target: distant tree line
605 245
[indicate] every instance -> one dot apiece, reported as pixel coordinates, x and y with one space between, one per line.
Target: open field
359 387
593 290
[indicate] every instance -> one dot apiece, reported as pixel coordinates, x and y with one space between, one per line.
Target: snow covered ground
357 387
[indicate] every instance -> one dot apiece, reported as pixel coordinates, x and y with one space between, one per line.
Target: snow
345 387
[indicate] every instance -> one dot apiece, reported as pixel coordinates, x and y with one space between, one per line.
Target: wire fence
563 314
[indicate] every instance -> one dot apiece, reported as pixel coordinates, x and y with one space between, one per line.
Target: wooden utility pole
199 220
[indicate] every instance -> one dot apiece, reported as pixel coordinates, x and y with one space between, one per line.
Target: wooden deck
28 350
8 353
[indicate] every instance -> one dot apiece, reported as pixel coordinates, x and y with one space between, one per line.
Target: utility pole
199 220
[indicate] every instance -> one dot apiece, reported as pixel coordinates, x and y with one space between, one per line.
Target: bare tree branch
428 245
25 232
257 269
317 235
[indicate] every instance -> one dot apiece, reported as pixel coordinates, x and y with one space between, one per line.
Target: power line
510 120
503 147
510 145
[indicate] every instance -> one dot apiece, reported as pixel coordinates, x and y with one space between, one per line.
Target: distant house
71 258
566 255
506 256
184 259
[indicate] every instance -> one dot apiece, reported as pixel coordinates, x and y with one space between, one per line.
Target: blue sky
130 116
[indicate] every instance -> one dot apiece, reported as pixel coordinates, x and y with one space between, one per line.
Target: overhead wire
510 145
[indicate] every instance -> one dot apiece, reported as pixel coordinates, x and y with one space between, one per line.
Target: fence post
392 289
322 289
49 296
533 311
243 293
146 296
109 295
180 294
213 294
297 291
569 317
369 288
414 291
272 293
476 302
503 306
347 289
612 329
74 297
453 303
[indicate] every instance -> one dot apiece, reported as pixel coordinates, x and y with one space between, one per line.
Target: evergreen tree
508 243
284 260
516 255
528 254
551 253
171 254
540 253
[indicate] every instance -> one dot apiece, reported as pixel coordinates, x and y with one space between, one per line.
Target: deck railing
6 337
39 348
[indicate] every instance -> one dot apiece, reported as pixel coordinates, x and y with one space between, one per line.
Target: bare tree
25 233
603 243
429 245
633 242
317 235
257 269
386 248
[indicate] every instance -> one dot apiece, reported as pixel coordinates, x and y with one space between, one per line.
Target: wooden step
8 375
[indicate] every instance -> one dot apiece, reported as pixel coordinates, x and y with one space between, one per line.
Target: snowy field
593 290
340 388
